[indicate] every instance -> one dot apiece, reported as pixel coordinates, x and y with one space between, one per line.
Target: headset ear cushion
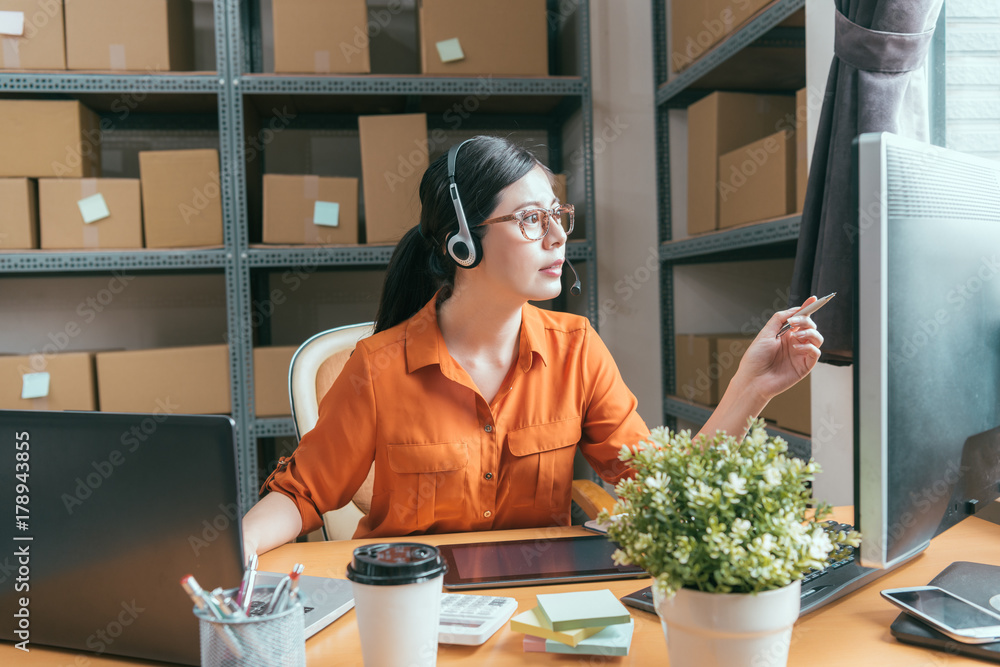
458 251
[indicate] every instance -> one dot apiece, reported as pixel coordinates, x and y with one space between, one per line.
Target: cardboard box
49 138
559 187
270 381
801 147
790 409
41 44
70 382
310 209
498 37
130 35
18 214
757 181
696 379
718 124
181 199
65 205
393 160
183 380
321 36
696 26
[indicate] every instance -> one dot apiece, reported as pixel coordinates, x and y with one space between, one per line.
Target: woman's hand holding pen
772 364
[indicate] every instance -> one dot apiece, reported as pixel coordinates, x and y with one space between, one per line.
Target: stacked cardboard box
48 382
310 209
321 36
696 26
484 37
717 124
132 35
32 35
394 157
18 214
181 199
49 138
188 380
90 213
270 381
801 147
757 181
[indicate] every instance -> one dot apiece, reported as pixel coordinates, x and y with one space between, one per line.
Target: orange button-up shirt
445 459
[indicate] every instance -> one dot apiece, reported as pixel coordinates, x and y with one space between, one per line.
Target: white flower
734 486
772 476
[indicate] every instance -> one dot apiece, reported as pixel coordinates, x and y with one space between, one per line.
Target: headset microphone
575 289
463 247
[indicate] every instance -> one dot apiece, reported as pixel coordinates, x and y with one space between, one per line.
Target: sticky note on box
12 23
450 50
93 208
326 213
34 385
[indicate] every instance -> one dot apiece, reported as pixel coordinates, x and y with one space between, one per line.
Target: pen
807 310
202 601
293 593
245 594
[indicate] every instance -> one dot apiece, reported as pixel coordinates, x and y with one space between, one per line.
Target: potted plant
725 529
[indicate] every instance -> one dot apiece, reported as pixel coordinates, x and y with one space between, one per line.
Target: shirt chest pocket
429 480
542 462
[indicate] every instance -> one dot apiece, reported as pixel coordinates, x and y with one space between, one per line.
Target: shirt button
487 514
488 475
489 428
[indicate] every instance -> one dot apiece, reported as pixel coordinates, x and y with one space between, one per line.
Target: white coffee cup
397 599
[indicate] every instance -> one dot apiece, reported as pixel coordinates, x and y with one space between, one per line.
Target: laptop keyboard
258 605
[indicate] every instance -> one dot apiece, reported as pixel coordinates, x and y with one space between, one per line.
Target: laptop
108 512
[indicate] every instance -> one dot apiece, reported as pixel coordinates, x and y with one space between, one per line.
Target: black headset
463 247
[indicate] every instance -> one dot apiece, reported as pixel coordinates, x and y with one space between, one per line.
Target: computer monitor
927 342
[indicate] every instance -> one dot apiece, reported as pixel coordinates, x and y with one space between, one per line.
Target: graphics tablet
533 562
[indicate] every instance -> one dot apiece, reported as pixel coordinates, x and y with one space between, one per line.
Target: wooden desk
853 630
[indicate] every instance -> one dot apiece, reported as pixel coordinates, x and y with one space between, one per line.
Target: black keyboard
843 575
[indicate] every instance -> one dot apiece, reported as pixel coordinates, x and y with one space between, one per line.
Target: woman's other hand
773 364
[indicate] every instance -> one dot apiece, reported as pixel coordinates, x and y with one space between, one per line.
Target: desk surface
853 630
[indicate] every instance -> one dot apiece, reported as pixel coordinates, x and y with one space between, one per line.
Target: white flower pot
728 630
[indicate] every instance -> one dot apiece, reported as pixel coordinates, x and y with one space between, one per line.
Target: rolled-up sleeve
610 419
333 459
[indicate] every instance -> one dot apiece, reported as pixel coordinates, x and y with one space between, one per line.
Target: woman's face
512 265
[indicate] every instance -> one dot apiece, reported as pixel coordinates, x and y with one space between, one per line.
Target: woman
470 402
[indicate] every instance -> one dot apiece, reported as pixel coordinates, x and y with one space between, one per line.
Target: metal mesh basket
277 640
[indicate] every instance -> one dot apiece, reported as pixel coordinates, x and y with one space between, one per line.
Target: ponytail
416 272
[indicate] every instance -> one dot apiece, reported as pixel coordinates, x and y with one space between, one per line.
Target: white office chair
315 366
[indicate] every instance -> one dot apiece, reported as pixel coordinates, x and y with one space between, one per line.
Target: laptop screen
111 511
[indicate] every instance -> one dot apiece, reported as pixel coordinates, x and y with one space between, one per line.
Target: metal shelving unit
536 103
219 100
768 239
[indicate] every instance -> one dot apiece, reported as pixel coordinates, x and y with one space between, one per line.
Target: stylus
808 310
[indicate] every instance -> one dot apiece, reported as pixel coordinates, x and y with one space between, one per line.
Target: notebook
119 508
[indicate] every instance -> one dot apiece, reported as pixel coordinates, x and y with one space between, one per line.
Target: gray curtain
877 83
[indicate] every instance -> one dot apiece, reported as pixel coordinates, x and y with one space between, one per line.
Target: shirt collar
425 344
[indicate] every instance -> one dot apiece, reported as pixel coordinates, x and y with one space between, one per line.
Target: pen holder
259 641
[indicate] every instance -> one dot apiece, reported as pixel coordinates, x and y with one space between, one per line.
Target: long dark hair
420 265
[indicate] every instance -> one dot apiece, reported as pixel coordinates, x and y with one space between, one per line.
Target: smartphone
947 613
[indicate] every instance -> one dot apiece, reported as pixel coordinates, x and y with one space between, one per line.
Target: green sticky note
326 213
450 50
612 640
580 609
93 208
34 385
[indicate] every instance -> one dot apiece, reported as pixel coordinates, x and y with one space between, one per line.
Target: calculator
472 619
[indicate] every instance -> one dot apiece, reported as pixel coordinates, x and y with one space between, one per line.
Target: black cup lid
395 564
